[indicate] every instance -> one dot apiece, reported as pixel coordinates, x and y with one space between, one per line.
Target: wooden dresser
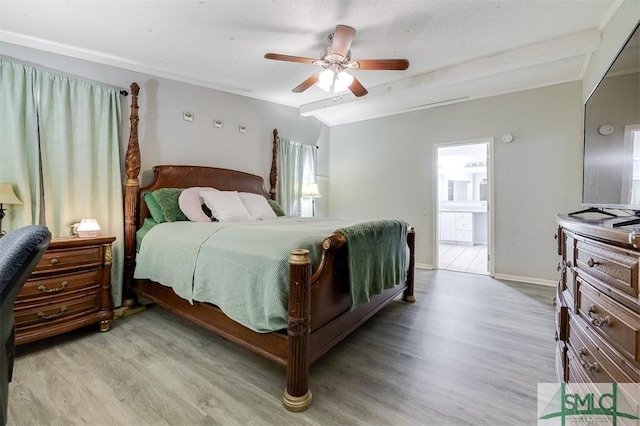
70 288
597 305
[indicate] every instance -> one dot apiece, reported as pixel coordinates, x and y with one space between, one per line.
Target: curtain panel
19 142
76 156
296 164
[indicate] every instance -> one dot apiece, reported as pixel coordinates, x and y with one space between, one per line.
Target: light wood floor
470 351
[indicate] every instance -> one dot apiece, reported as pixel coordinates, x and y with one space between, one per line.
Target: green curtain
296 164
19 142
79 126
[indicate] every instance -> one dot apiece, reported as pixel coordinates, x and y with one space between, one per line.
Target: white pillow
191 202
226 206
257 205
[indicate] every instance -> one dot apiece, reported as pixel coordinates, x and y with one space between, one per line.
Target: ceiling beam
570 46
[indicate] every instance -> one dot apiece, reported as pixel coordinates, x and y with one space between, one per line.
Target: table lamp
7 196
311 190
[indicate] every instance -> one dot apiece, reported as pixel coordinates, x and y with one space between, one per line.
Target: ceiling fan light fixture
335 59
333 81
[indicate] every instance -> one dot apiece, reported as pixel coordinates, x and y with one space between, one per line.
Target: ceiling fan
336 61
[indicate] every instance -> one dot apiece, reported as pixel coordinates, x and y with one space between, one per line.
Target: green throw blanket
377 257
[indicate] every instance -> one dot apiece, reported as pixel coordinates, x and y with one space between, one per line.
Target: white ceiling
457 49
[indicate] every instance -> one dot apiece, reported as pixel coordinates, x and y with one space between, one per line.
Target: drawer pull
598 322
53 290
52 316
564 265
54 261
592 262
587 365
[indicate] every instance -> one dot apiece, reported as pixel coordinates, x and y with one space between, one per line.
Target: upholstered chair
20 252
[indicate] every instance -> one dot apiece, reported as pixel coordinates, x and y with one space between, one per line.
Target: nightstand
70 288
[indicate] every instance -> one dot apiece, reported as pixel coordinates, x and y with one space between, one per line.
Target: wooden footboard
319 304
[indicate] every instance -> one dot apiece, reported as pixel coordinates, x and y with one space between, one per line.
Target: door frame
490 208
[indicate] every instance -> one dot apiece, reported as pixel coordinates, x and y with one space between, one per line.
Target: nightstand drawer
59 284
67 259
56 310
70 288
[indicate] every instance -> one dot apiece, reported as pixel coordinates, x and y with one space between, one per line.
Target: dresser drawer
562 316
575 372
615 267
69 259
597 360
616 324
56 310
60 284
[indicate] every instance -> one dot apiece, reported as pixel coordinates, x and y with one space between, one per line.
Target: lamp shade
88 228
311 190
7 195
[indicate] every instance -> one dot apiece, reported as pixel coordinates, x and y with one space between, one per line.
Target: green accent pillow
154 207
140 233
167 198
277 209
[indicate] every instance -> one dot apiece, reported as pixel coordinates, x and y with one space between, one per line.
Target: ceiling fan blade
357 88
381 64
342 38
307 83
288 58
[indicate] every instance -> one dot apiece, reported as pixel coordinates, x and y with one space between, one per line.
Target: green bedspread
242 267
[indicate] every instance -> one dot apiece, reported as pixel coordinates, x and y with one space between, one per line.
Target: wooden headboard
175 176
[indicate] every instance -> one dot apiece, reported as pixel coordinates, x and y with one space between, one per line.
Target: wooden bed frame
319 301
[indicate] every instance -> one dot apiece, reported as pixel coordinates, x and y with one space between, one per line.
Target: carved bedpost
273 176
297 396
131 199
407 295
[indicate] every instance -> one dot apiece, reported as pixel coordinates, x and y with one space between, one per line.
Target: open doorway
463 219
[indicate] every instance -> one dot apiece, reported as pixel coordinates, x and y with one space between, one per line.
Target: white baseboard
528 280
423 266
